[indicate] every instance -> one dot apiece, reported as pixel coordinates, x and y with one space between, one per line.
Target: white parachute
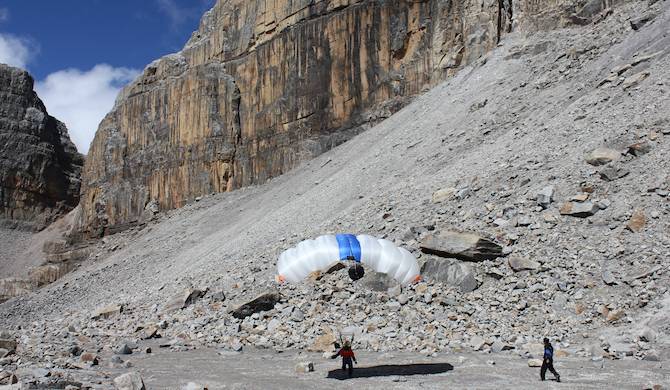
319 254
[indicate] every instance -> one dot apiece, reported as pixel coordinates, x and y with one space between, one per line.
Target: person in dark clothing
347 356
548 361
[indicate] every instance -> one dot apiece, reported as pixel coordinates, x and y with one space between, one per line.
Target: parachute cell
295 264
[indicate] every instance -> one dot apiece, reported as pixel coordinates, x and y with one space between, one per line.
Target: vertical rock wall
39 165
265 84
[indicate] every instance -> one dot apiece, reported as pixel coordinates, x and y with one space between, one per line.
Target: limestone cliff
39 166
265 84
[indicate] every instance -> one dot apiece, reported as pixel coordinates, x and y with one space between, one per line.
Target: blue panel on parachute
349 246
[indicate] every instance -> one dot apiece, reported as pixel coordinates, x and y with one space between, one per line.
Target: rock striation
264 85
39 166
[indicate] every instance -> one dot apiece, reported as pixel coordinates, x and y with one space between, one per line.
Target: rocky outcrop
263 85
39 165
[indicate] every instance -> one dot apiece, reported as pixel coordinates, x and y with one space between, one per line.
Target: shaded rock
602 156
262 302
615 315
8 342
647 335
3 352
150 332
637 221
639 148
640 21
443 194
304 367
129 381
323 343
378 281
107 311
123 349
477 343
453 274
635 79
464 246
522 264
579 209
89 358
545 196
608 278
613 173
183 299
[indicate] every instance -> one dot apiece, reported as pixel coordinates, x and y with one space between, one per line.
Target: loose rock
464 246
129 381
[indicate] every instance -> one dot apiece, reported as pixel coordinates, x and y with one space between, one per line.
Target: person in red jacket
347 356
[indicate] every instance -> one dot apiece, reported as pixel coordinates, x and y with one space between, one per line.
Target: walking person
347 356
548 361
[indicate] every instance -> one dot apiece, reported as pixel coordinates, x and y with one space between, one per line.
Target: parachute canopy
319 254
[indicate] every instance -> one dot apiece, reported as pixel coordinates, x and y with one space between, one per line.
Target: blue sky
82 51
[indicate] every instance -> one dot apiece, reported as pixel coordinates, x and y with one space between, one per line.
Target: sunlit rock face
39 166
264 85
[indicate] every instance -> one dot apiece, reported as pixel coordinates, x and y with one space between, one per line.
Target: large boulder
263 302
454 274
464 246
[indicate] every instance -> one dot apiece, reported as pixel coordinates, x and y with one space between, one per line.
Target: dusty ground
265 370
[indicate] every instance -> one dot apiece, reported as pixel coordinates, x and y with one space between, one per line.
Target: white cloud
4 15
82 99
16 51
176 15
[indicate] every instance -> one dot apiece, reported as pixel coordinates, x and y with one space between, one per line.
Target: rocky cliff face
39 166
263 85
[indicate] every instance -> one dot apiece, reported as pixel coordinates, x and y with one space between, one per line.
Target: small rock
522 264
107 311
441 195
403 299
637 23
608 278
647 335
297 315
637 221
477 343
579 209
545 196
613 173
534 362
602 156
129 381
89 358
635 79
123 349
639 148
323 343
304 367
182 299
615 315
